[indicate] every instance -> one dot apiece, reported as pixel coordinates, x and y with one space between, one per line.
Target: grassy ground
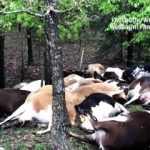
24 138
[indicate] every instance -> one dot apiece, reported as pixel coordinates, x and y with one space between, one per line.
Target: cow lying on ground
100 106
124 132
106 88
94 70
82 82
139 90
11 99
118 83
136 72
71 79
38 105
113 73
32 86
37 84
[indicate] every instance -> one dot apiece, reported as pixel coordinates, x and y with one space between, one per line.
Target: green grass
36 144
78 145
21 147
134 108
5 142
40 146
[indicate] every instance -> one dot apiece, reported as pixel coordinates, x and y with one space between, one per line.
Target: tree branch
48 10
21 11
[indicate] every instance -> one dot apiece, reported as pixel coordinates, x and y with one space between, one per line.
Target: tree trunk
59 137
121 48
2 74
30 52
22 54
47 66
129 50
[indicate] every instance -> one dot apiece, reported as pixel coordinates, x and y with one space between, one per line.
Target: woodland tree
53 53
30 52
59 137
2 70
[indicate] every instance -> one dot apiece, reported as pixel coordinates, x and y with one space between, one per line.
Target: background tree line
76 18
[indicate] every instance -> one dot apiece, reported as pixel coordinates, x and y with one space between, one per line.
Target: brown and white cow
103 87
139 90
38 105
94 70
124 132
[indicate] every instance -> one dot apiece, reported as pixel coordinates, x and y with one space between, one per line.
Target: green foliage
108 7
125 44
141 36
129 15
73 21
9 18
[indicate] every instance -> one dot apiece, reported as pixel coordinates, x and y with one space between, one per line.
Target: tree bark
30 52
59 137
47 66
129 50
2 72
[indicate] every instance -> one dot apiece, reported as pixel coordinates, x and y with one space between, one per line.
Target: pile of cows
96 100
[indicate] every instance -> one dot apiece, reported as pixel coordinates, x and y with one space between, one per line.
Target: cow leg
94 137
132 99
49 114
46 130
86 138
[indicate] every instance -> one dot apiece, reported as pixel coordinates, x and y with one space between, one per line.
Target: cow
139 90
82 82
31 86
136 72
113 73
37 84
100 106
103 87
120 84
38 106
124 132
11 99
71 79
94 70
